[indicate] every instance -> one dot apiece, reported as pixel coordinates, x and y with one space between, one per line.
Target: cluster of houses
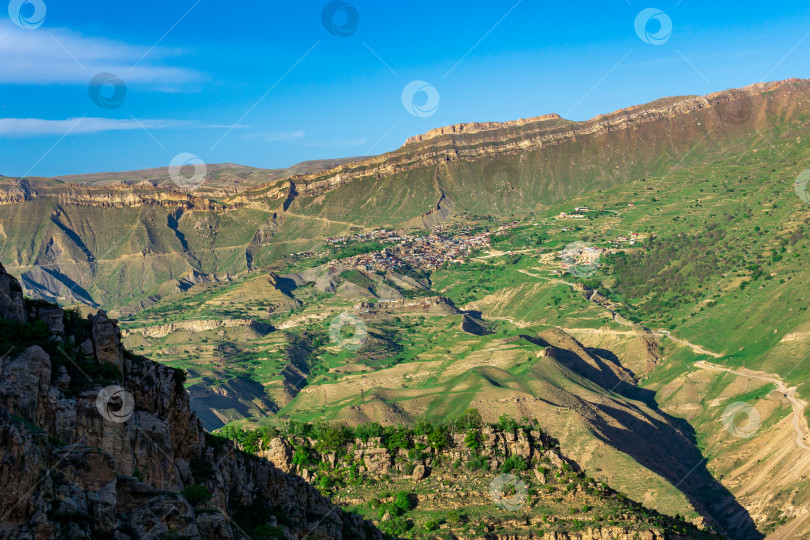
579 213
421 252
380 234
622 239
424 252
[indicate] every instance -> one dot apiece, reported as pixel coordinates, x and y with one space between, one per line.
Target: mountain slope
158 232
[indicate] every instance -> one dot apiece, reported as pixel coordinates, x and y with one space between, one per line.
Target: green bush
470 419
302 457
396 438
366 431
477 462
473 439
507 424
330 437
454 517
404 501
196 494
439 437
396 526
267 532
514 463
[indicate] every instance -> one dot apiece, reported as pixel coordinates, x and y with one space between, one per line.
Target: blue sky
266 84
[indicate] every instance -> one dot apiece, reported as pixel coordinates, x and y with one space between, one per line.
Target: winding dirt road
798 405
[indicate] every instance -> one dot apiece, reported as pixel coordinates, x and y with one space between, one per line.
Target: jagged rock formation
78 462
437 305
199 326
377 460
441 213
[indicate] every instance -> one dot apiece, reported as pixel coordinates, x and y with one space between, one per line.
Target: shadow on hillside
665 444
665 450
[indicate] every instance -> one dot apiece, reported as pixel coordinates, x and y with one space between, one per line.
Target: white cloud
31 127
60 56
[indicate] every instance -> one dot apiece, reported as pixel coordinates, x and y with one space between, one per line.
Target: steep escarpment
719 114
96 442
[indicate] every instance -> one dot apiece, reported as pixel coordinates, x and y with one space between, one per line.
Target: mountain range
458 261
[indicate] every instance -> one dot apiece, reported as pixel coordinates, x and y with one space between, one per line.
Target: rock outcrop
164 330
435 305
376 459
96 442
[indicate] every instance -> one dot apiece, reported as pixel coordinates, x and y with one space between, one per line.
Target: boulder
106 340
12 304
419 472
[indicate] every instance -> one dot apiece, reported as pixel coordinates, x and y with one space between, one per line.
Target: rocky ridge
460 142
131 461
730 107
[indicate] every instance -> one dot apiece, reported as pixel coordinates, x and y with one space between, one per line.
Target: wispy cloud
61 56
32 127
288 136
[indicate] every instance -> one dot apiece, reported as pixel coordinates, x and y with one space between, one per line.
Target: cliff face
97 442
724 111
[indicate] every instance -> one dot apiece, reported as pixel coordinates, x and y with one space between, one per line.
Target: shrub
331 438
403 501
396 437
366 431
301 456
325 483
477 462
470 419
396 526
514 463
473 439
454 517
507 424
196 494
439 437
